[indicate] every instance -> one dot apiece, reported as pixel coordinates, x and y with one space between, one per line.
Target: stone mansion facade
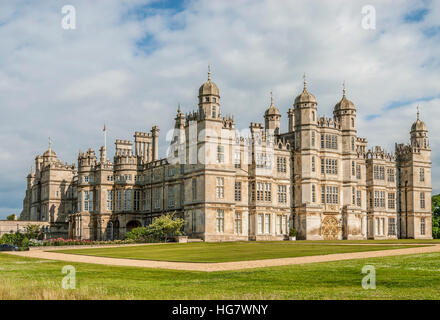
318 177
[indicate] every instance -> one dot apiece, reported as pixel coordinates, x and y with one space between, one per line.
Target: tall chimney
155 134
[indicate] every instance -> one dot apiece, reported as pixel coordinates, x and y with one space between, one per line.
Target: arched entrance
133 224
330 228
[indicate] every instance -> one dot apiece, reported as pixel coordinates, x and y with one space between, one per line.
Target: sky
129 64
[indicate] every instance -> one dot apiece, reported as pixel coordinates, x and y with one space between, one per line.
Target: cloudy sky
129 64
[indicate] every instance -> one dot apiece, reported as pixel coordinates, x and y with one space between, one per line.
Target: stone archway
330 228
133 224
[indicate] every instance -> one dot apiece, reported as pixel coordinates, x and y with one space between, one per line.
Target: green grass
225 251
398 277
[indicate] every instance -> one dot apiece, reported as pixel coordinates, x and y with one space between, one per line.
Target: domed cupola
418 125
345 112
419 133
305 97
272 117
209 99
344 106
49 155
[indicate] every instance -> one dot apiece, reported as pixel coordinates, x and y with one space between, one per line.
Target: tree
33 231
166 226
11 217
436 216
161 228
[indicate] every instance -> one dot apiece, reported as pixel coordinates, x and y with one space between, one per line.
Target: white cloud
66 84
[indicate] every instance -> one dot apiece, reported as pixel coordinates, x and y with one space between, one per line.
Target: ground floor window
260 224
220 220
238 223
422 226
266 223
391 226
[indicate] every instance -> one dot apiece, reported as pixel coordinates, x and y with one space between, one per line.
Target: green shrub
292 232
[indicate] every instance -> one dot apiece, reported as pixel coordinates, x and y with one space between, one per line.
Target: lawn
398 277
226 251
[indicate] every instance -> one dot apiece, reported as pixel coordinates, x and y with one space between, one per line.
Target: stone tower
414 163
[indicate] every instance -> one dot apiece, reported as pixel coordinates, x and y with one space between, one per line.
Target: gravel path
223 266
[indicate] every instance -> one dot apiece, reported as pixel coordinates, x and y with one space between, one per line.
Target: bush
292 232
15 239
161 229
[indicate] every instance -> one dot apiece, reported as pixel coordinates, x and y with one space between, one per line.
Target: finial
343 88
271 98
178 108
418 113
209 72
50 144
305 82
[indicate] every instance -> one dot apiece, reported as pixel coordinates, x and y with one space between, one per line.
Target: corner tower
209 99
272 117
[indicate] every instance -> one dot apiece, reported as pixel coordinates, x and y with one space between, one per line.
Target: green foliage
160 229
292 232
15 239
436 216
141 234
33 231
11 217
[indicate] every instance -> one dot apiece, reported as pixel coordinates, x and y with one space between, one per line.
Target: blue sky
130 62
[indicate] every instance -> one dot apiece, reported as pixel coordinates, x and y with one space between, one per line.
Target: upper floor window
156 198
332 195
331 141
422 174
353 168
379 173
127 200
282 194
238 191
313 164
206 99
313 193
358 171
220 187
352 144
194 189
137 200
391 200
281 164
171 197
313 138
238 223
422 200
331 166
237 159
220 154
213 112
390 174
379 199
